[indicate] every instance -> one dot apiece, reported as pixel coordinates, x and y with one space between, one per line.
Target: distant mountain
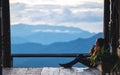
46 34
19 40
79 45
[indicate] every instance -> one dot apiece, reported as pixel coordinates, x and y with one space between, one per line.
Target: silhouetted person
97 51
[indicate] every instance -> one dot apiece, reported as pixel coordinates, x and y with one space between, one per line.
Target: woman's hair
101 42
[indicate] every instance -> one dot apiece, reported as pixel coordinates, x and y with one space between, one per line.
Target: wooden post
106 19
118 49
0 39
5 29
114 26
118 52
110 34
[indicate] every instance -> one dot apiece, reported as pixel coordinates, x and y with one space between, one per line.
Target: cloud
84 13
89 5
56 2
55 13
56 31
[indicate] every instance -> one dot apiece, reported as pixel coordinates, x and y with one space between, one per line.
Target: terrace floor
50 71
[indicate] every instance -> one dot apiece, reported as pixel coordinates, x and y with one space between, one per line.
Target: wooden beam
118 52
106 19
114 26
0 39
0 25
5 29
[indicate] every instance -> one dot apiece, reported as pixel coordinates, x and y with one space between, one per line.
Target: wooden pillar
5 29
106 19
114 26
0 39
118 50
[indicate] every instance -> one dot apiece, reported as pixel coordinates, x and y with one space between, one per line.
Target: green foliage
97 59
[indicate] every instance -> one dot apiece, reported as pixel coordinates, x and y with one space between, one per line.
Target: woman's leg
85 61
80 58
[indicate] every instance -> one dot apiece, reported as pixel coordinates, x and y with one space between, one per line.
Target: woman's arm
92 50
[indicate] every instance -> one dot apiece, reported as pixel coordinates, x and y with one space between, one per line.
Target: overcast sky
84 14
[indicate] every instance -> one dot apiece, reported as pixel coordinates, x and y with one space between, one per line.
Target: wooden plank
79 71
34 71
14 71
64 71
22 71
50 71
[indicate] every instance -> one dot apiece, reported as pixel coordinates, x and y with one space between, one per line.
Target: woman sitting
96 54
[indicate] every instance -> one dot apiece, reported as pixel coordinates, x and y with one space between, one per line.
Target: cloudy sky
83 14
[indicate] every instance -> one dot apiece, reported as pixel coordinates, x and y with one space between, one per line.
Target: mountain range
45 34
79 45
49 39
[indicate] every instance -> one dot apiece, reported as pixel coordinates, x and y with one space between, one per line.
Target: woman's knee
79 57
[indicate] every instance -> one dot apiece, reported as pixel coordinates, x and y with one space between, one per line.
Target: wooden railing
46 55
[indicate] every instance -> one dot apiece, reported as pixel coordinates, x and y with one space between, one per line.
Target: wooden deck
50 71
